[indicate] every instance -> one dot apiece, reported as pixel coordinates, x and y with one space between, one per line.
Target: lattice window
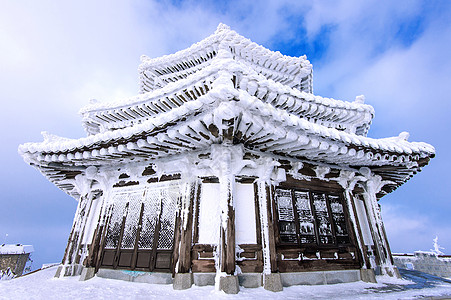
169 203
119 202
152 208
131 222
160 204
287 225
322 217
307 217
338 217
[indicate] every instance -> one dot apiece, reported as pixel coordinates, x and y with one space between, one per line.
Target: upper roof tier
354 117
295 72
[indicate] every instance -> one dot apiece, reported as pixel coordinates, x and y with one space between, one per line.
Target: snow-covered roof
353 117
291 71
199 123
263 126
16 249
228 99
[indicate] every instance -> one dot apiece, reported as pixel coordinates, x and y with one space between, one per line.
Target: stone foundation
272 282
320 277
368 275
203 279
229 284
87 273
136 276
70 270
183 281
250 280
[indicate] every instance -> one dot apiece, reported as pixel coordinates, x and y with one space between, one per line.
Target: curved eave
293 71
350 116
256 125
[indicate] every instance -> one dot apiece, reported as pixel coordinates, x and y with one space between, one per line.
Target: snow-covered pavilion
226 169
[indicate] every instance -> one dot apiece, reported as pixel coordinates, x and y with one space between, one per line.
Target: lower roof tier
240 119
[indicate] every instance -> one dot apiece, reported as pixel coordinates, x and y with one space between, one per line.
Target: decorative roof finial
222 27
144 58
404 136
49 138
360 99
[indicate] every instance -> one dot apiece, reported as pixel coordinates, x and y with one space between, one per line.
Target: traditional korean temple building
226 169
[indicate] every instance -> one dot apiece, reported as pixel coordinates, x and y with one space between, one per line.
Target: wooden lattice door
140 233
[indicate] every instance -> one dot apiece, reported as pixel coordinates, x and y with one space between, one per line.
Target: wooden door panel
163 260
125 259
141 231
143 259
108 258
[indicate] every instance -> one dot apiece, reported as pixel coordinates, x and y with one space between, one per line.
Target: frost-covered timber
227 170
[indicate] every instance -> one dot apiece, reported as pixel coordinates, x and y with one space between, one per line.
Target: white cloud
410 231
407 81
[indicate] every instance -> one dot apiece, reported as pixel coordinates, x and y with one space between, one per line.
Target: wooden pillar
94 247
227 231
74 238
81 252
350 203
372 186
102 233
374 230
182 249
267 227
226 161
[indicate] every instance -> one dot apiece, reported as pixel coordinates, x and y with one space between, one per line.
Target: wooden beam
363 254
186 232
138 233
176 245
121 235
230 240
271 213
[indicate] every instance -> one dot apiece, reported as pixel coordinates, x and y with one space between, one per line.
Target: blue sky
56 55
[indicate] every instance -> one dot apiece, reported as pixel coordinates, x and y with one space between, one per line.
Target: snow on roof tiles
227 84
354 116
292 71
269 118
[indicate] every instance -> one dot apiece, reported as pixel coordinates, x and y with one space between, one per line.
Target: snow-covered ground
42 285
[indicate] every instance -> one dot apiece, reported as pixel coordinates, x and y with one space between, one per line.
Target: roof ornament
144 58
360 99
403 136
50 138
222 27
